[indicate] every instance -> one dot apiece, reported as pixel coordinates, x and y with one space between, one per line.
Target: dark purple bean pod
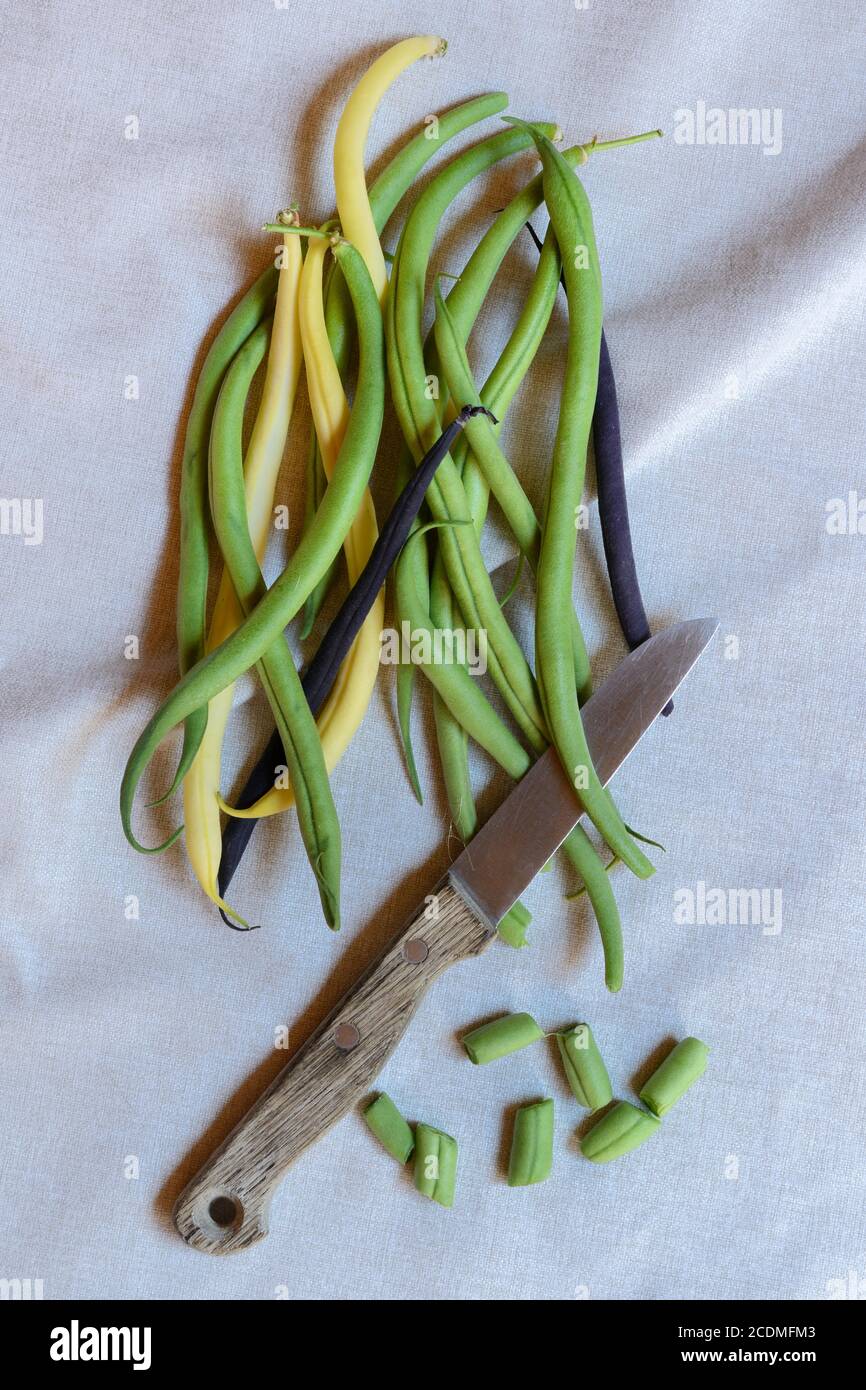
321 673
613 503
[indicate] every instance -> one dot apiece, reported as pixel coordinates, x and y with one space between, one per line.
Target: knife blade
542 810
225 1207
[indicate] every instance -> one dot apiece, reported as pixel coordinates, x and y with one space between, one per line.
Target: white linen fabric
144 145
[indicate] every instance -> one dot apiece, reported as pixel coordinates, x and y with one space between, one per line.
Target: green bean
390 1128
512 928
453 744
681 1069
194 515
501 1037
464 303
531 1145
459 692
581 852
405 685
584 1067
572 223
451 737
420 421
317 816
473 287
315 491
389 189
618 1132
385 193
470 290
518 510
314 553
490 459
435 1164
467 298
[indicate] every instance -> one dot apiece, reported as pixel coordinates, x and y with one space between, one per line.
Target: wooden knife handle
225 1206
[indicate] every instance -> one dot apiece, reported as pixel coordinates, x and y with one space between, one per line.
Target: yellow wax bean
353 204
350 697
201 787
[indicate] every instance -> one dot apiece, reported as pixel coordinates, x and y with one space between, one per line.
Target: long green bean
485 449
315 551
519 512
317 815
571 217
465 302
419 419
413 584
193 564
384 193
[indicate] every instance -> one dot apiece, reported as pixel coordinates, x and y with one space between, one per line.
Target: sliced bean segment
584 1067
622 1129
435 1164
681 1069
390 1128
512 928
501 1037
531 1145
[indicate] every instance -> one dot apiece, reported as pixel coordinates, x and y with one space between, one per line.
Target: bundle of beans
322 309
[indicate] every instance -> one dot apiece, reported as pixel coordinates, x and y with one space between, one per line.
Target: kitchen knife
225 1207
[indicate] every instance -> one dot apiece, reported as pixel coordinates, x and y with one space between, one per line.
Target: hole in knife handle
223 1211
219 1214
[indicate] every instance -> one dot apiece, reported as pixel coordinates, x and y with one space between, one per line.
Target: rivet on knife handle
225 1207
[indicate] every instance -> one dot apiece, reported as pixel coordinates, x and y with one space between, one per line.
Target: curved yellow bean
353 205
347 703
264 455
